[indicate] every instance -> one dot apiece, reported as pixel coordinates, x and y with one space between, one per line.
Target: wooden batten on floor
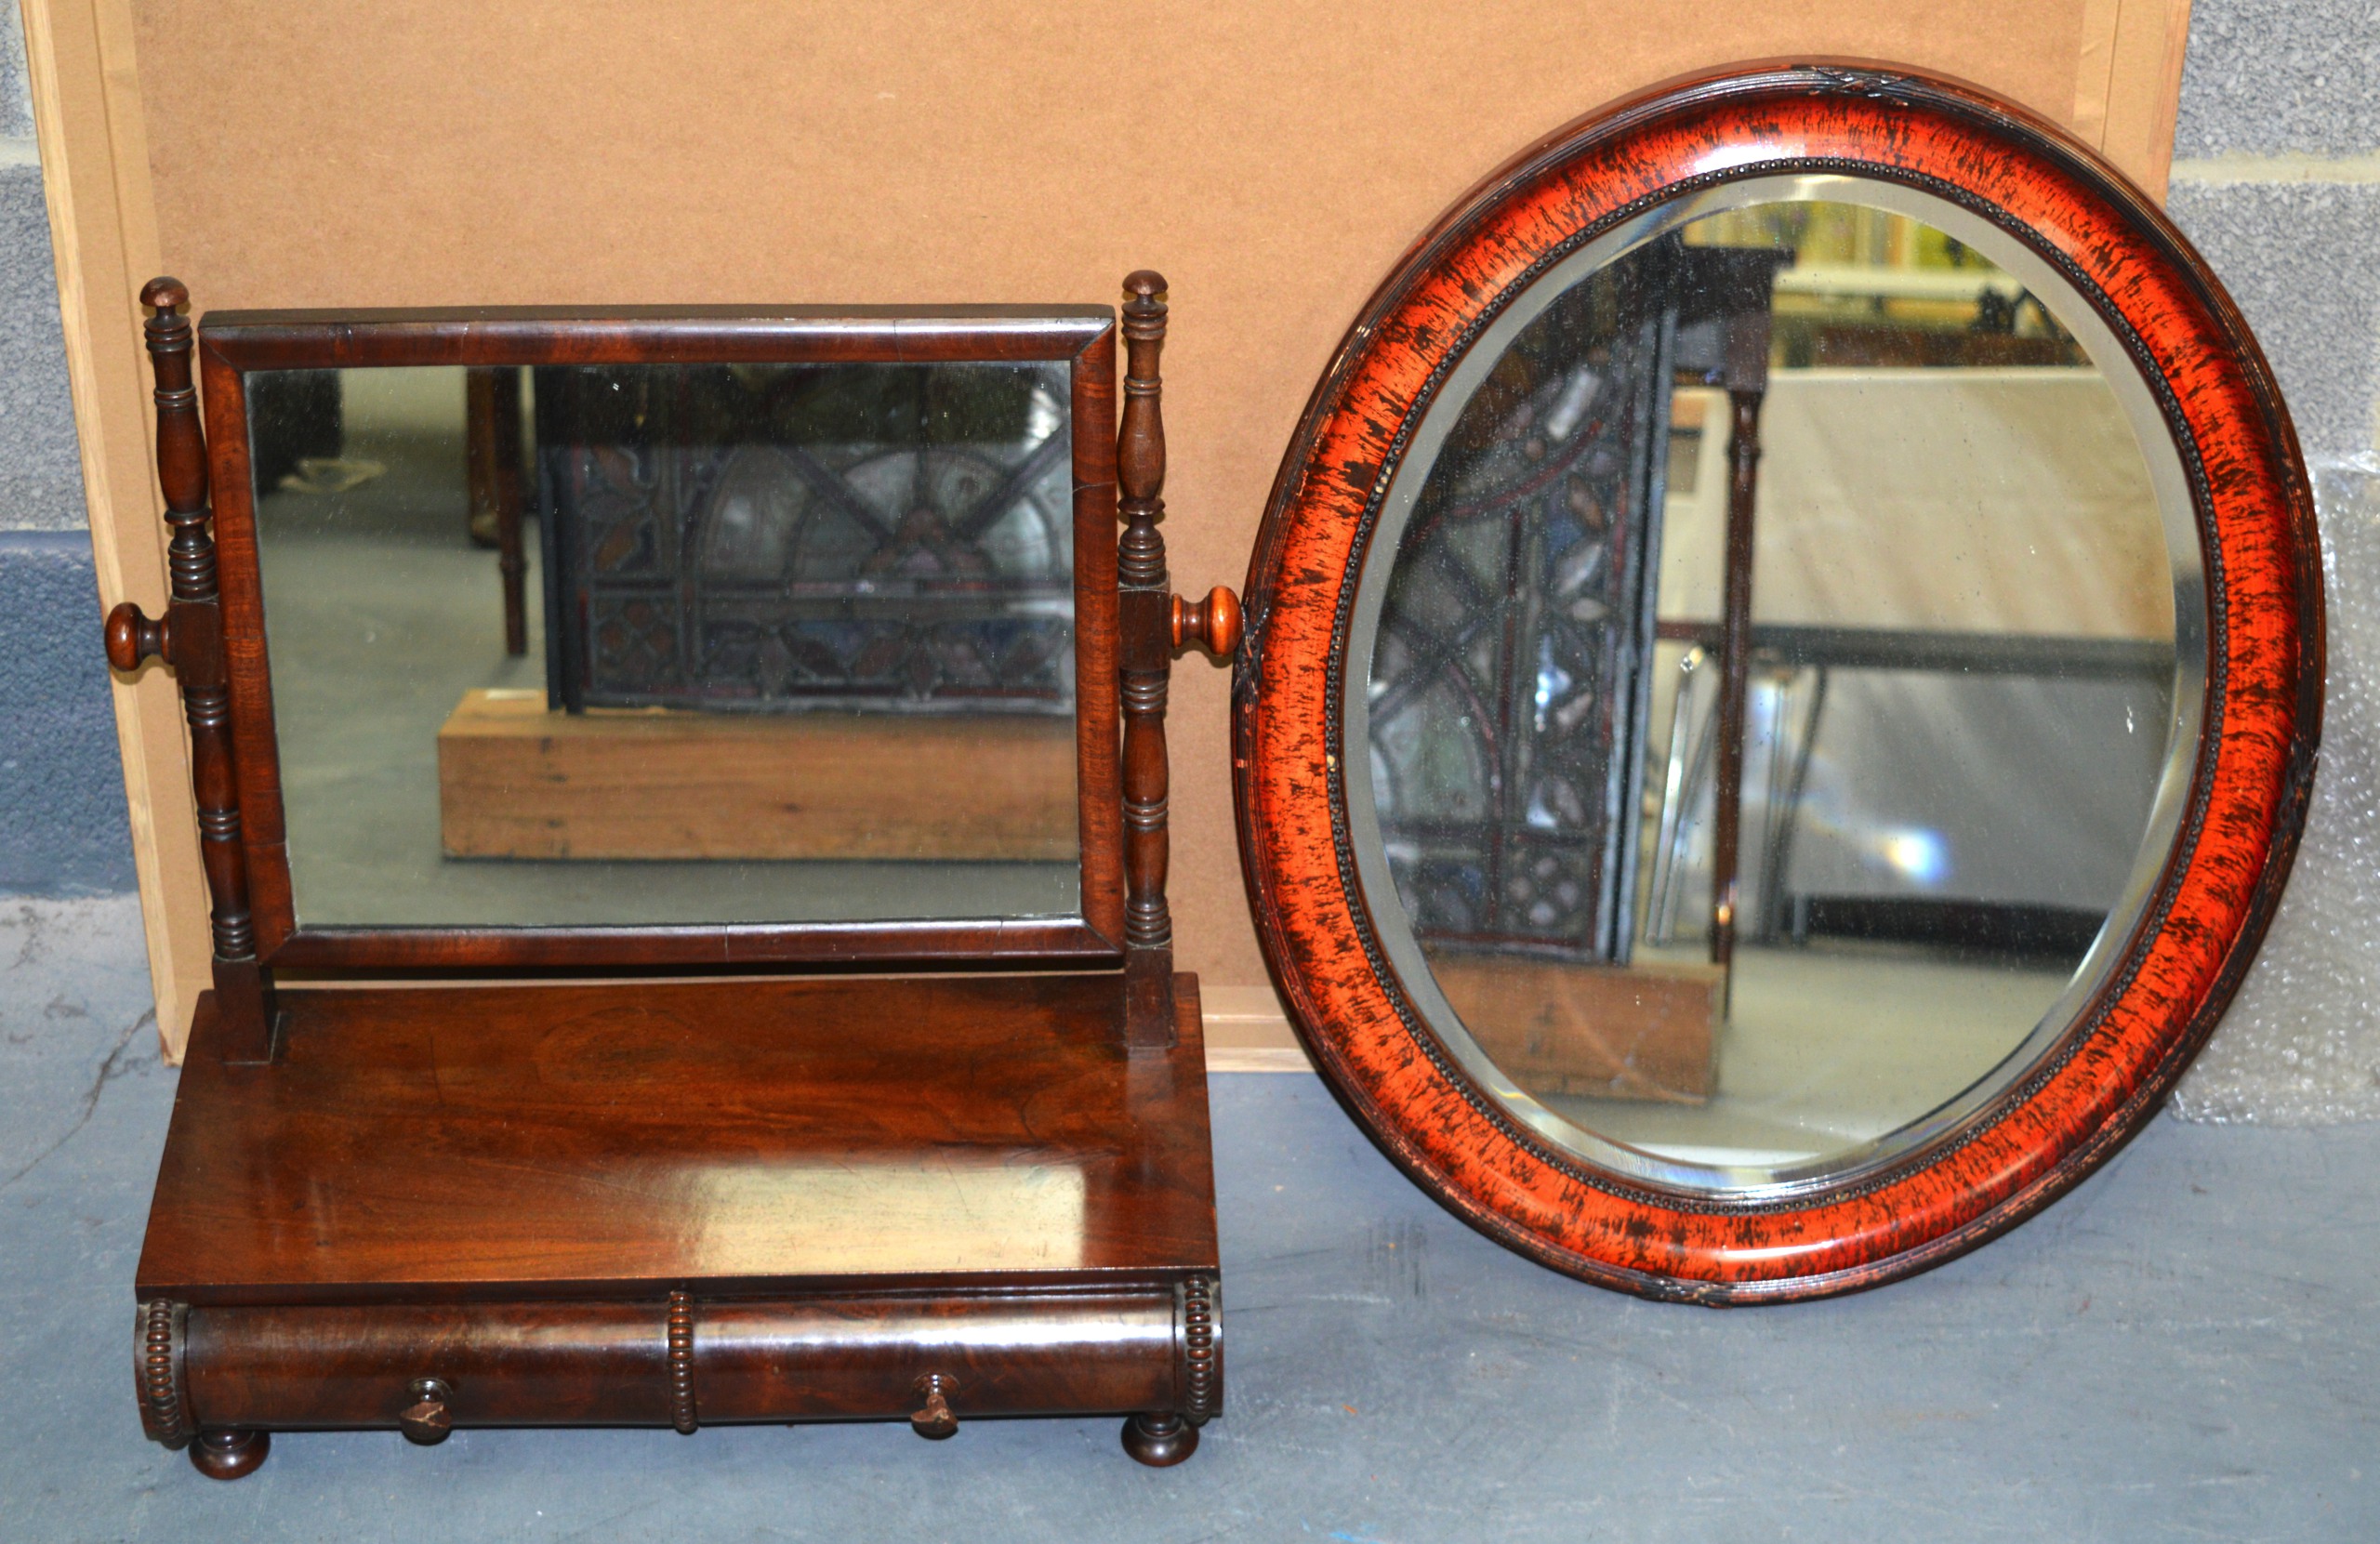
517 780
1612 1032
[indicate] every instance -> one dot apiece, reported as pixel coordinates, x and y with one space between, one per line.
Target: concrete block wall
63 824
2277 179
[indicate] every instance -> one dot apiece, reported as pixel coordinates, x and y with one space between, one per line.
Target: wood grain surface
519 780
1558 1028
450 1143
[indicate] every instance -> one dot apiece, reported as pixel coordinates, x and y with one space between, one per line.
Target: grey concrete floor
2183 1349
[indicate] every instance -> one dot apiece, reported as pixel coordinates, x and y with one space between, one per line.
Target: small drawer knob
934 1419
427 1420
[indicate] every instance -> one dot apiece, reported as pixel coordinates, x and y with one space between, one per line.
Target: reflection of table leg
509 476
491 462
1734 658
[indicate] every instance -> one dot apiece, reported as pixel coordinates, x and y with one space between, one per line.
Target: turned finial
1144 283
164 294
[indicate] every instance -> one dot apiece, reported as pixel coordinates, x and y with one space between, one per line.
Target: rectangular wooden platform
449 1141
685 1203
517 780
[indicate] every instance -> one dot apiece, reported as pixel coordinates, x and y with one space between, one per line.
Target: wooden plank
2128 84
1618 1033
515 780
88 114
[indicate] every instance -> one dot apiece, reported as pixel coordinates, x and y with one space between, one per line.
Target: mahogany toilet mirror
1782 674
699 955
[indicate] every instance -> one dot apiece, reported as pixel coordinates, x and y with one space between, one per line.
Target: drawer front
681 1362
996 1356
507 1364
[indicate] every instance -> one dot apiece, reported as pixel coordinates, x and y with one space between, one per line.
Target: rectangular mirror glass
640 644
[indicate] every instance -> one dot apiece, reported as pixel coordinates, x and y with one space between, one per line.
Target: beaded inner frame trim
2254 763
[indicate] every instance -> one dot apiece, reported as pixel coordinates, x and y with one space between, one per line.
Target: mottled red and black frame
2252 772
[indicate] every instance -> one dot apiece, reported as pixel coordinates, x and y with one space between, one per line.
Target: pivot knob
133 636
1212 624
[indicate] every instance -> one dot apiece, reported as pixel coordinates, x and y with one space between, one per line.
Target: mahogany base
686 1204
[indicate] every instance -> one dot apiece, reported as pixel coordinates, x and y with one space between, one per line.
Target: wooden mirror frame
2252 774
231 344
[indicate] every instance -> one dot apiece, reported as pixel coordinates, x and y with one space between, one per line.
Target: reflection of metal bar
1734 659
1781 813
1780 696
1434 654
827 485
1020 479
1698 777
900 605
1943 653
1698 773
1660 914
1864 282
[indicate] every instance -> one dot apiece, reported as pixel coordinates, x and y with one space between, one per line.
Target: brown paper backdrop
1273 158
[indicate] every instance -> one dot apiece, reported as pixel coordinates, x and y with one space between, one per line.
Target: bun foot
229 1454
1159 1441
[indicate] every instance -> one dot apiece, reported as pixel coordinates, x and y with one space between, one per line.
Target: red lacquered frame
2253 772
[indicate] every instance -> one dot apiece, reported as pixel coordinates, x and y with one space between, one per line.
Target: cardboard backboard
1273 160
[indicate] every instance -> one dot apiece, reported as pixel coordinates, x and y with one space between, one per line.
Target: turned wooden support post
189 639
1735 661
1156 624
1144 617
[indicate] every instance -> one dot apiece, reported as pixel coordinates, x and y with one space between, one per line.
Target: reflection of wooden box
1618 1033
518 781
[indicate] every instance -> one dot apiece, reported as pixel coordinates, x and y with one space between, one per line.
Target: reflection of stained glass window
1505 696
890 537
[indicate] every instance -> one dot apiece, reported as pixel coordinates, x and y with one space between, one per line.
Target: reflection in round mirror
1778 671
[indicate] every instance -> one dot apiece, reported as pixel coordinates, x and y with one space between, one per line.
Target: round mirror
1731 902
1782 674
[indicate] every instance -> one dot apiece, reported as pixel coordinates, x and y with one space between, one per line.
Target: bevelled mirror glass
1728 936
671 643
